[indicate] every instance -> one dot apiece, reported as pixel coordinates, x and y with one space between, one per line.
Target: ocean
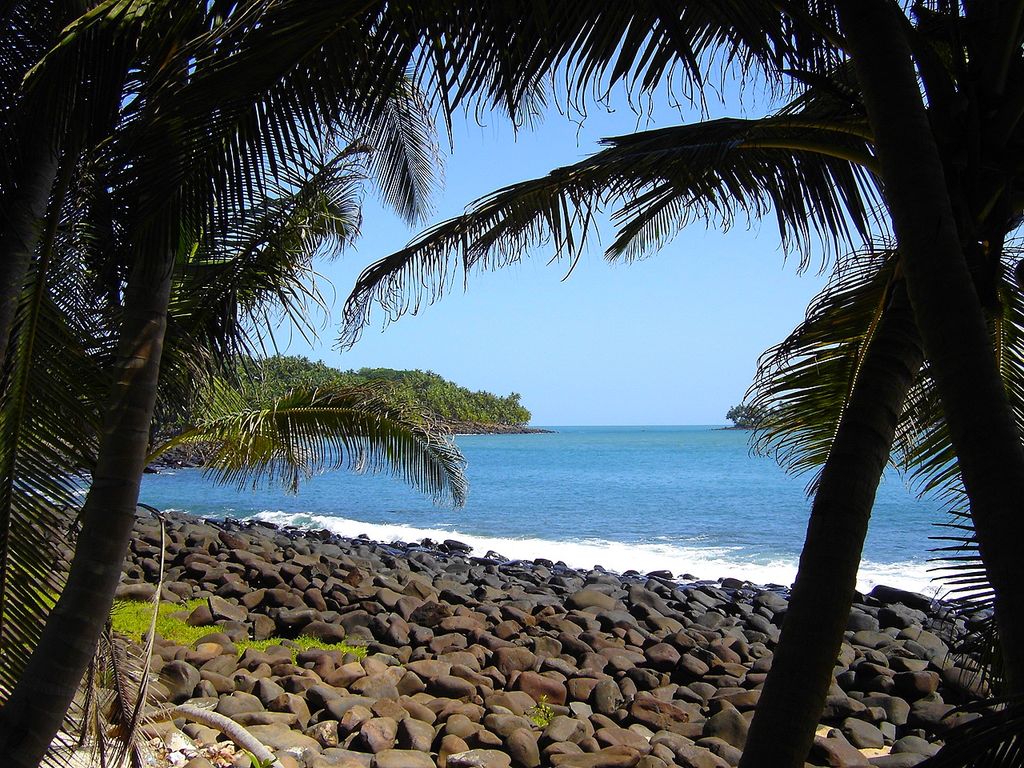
692 500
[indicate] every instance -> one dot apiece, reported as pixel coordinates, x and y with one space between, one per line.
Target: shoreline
464 650
691 562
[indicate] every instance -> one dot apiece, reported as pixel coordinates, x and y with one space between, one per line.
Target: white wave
701 562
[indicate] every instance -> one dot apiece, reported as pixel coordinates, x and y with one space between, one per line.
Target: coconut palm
214 95
806 162
721 169
599 43
224 290
951 228
160 207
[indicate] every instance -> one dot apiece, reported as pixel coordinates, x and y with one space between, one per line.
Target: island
462 410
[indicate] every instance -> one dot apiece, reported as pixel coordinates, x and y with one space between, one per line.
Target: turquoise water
689 499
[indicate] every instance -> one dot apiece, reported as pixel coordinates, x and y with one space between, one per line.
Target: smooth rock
403 758
479 758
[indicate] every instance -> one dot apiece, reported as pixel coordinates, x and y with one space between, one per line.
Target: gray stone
611 757
479 758
513 659
915 745
403 758
378 733
343 758
522 748
728 725
451 687
321 630
380 686
722 749
862 735
562 728
896 709
930 715
692 756
141 592
281 738
613 736
591 598
325 733
902 760
914 685
237 702
541 686
607 697
415 734
662 656
179 679
837 752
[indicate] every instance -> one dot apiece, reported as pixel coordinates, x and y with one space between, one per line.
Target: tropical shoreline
464 651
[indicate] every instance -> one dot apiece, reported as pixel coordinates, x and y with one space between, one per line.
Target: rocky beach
490 663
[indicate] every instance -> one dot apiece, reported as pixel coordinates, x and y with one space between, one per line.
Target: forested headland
462 409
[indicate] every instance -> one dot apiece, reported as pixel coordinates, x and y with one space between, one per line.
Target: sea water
692 500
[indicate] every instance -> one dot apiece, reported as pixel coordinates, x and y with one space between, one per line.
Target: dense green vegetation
275 376
161 188
744 416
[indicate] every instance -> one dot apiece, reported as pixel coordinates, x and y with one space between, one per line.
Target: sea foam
699 562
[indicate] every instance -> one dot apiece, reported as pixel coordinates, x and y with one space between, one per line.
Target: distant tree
275 376
744 416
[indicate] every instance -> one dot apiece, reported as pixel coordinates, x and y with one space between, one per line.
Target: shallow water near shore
692 500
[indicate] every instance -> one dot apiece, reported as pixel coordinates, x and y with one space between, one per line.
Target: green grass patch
133 617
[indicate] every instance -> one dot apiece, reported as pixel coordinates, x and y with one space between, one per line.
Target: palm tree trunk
22 219
34 711
948 311
794 692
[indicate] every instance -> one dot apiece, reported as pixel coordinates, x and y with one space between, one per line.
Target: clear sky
671 340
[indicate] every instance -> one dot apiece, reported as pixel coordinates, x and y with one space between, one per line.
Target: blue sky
671 340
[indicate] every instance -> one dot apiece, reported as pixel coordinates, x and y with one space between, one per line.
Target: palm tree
174 174
211 95
943 240
503 52
714 169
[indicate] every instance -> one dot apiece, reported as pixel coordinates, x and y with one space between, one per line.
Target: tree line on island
171 170
450 403
744 416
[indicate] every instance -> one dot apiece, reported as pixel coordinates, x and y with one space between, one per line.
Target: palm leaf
115 691
237 286
48 428
995 740
926 450
507 51
809 172
803 385
316 430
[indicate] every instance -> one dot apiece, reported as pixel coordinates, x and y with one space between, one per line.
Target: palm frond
131 674
803 385
234 289
506 51
995 740
810 173
48 431
404 157
926 451
316 430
